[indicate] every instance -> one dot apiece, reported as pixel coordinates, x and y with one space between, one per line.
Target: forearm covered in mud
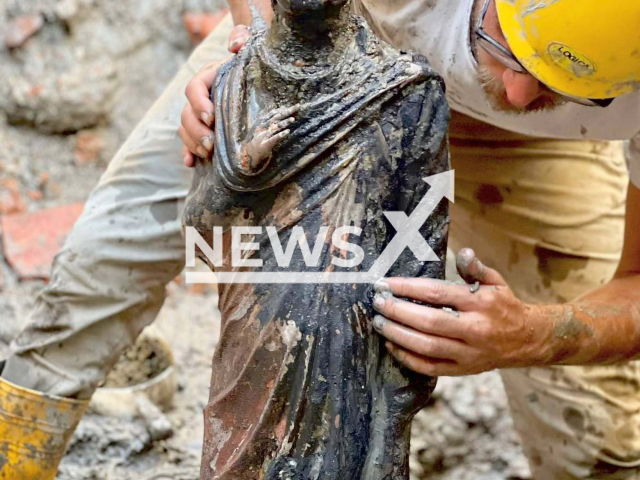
603 326
241 12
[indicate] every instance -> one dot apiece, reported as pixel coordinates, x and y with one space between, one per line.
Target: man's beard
498 96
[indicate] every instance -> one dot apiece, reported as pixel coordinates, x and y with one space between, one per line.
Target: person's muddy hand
469 329
196 129
264 137
238 38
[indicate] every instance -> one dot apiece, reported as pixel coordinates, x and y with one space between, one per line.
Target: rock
66 9
88 146
105 439
22 29
157 424
11 200
479 402
467 434
60 98
43 180
35 195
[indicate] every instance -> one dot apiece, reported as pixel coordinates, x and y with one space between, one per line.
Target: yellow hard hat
581 48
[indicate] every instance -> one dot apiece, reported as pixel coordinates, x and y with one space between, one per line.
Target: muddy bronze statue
318 124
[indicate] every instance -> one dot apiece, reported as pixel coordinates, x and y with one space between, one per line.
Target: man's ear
521 88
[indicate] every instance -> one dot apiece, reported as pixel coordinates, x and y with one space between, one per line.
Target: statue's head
305 7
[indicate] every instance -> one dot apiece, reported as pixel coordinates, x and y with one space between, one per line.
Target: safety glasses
509 60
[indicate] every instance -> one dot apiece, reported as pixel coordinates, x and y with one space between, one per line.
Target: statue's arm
269 131
425 152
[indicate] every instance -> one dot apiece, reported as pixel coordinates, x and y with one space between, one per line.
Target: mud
569 327
464 434
144 361
555 266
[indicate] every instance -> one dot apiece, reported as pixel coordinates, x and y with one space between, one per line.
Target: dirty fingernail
378 302
378 322
207 143
381 286
207 118
451 311
389 346
235 43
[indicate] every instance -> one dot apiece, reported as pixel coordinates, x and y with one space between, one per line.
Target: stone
35 195
22 29
63 101
88 146
11 200
43 179
31 240
67 9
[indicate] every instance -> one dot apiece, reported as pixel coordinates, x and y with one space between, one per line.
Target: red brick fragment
31 240
88 147
11 200
21 29
35 195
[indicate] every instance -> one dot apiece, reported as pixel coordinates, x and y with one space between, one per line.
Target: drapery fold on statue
302 387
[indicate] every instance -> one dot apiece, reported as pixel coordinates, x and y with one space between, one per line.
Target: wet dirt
464 434
144 361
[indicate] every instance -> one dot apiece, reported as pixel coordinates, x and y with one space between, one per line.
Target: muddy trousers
549 216
563 204
108 282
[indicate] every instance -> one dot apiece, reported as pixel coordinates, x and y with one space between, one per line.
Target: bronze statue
318 124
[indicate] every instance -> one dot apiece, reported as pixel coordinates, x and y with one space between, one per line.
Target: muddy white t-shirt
440 30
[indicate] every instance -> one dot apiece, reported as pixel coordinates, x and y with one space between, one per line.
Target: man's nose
522 88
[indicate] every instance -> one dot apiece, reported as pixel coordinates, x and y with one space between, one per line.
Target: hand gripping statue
319 126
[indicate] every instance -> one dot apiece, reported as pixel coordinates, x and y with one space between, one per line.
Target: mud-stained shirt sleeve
633 159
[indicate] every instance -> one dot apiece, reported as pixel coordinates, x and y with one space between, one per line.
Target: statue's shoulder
382 51
247 56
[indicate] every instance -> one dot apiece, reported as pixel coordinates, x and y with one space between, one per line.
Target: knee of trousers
578 422
109 278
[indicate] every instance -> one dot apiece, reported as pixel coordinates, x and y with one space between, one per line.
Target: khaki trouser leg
108 282
548 214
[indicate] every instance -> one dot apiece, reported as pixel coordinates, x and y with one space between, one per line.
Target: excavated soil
144 361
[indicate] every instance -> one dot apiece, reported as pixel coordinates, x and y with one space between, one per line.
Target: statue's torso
301 386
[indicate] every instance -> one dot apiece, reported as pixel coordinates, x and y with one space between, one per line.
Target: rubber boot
35 430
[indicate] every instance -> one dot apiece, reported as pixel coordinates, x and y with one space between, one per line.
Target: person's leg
108 282
548 214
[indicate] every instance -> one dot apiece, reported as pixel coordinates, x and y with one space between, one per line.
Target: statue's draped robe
302 388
